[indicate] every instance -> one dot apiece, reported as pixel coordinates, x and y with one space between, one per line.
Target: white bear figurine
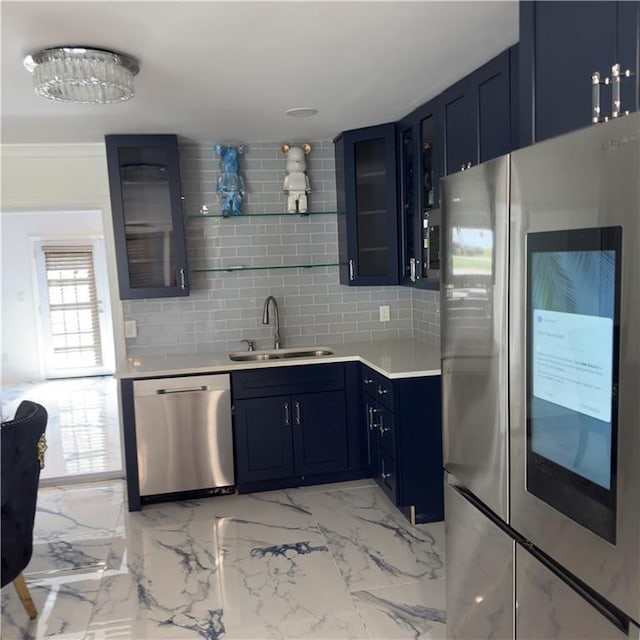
296 182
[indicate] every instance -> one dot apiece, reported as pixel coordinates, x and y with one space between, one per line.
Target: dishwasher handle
161 392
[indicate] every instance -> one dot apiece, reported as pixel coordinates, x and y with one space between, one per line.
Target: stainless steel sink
277 354
307 354
249 356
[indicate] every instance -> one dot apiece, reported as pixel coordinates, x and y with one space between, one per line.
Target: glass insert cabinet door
429 267
148 223
419 198
367 205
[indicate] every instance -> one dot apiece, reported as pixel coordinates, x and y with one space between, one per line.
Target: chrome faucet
276 320
251 345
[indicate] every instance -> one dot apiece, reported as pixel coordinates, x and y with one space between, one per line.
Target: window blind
73 306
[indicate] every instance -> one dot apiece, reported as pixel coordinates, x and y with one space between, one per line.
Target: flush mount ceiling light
301 112
82 75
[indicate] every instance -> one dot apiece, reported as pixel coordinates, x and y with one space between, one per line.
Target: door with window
75 313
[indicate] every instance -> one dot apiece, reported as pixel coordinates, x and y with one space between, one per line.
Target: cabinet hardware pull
382 391
615 91
183 282
595 97
369 417
468 165
384 475
368 380
287 420
412 269
162 392
616 78
351 270
297 408
596 82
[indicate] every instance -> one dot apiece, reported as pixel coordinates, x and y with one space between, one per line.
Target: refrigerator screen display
572 329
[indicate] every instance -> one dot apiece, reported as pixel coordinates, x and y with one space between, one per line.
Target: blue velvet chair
22 447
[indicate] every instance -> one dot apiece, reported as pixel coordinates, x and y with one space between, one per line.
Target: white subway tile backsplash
226 307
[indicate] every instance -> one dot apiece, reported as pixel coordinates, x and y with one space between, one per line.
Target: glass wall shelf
207 211
264 268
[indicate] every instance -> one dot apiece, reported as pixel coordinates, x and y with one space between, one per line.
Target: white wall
48 179
20 309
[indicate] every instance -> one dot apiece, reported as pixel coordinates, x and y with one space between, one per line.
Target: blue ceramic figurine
230 187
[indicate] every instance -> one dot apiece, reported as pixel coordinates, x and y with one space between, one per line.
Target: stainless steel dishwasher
183 432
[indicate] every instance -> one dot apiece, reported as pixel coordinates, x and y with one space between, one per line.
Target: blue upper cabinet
476 114
562 44
148 225
419 158
367 205
387 176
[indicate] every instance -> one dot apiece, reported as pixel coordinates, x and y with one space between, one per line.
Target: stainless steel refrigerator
540 317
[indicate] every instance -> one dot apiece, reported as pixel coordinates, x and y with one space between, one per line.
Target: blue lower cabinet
402 423
387 476
299 438
319 433
263 439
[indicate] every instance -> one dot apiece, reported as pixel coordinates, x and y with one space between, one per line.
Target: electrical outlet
385 315
130 329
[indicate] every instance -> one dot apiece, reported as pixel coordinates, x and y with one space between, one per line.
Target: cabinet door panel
369 381
367 205
263 439
493 108
144 183
408 206
460 133
373 436
388 478
561 45
563 73
319 432
387 429
284 381
419 152
629 53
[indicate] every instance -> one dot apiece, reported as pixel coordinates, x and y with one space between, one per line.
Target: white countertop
392 358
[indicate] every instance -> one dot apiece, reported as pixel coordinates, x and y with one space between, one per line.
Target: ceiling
227 71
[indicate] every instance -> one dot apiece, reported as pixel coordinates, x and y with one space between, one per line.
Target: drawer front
369 381
384 391
278 381
388 479
385 420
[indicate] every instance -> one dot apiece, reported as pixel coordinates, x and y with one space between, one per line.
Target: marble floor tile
372 543
74 527
64 607
334 562
351 484
83 428
415 610
260 577
435 530
291 589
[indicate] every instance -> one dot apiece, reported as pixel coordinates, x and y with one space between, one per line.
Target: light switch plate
130 329
385 314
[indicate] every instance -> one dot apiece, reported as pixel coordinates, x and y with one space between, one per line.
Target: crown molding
84 150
